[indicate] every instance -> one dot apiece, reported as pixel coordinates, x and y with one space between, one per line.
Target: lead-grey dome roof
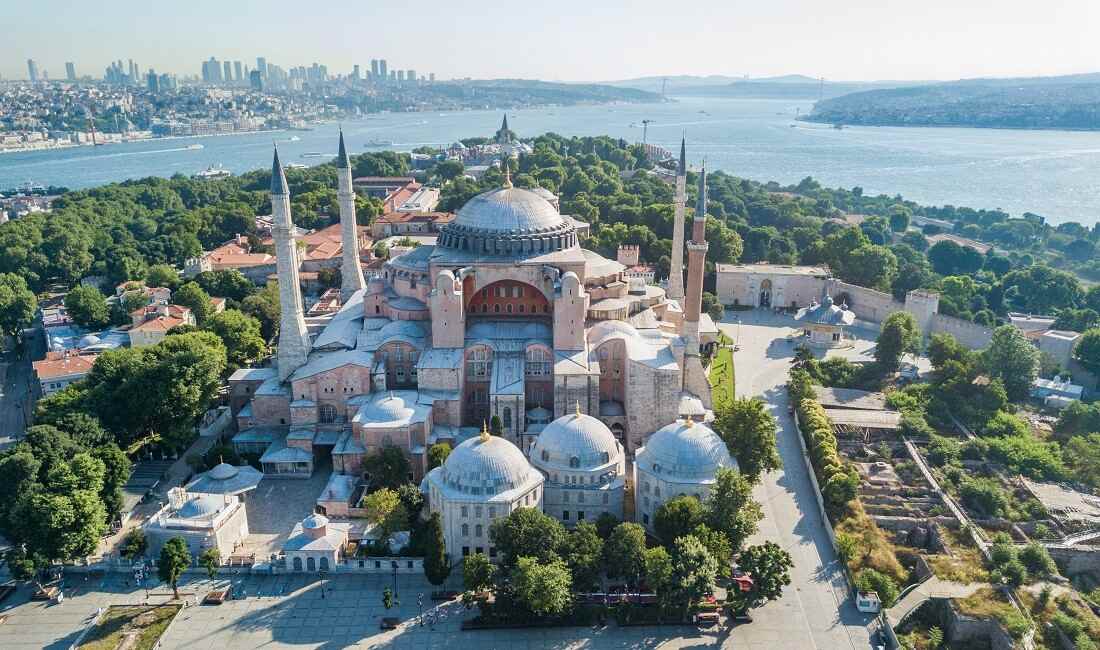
508 221
486 467
575 436
684 451
204 505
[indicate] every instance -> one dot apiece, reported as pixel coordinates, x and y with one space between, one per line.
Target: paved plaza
288 611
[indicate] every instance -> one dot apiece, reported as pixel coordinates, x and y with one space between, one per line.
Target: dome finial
507 173
484 431
578 408
690 422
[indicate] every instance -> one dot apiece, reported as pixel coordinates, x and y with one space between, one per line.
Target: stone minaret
293 338
676 266
351 274
697 255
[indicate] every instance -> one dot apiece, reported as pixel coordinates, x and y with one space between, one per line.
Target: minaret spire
351 273
293 338
676 265
697 253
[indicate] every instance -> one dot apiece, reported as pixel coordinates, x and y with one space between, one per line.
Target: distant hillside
1068 102
504 92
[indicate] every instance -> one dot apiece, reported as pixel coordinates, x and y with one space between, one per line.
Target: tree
624 552
1082 454
387 468
1011 358
174 560
870 266
477 572
87 307
718 545
1088 350
211 560
162 275
384 509
949 258
880 583
389 599
264 307
694 571
899 217
543 588
436 566
900 335
134 544
17 304
677 517
606 523
194 298
1005 424
496 425
770 569
437 455
244 344
226 283
730 508
583 553
658 574
527 532
749 432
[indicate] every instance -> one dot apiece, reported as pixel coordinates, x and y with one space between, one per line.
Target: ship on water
213 172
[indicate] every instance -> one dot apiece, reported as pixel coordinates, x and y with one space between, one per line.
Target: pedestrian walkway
931 588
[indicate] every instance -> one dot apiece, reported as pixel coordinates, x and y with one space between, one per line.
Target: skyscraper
227 74
355 72
261 67
382 74
152 81
374 69
400 75
238 75
70 71
256 80
410 75
32 70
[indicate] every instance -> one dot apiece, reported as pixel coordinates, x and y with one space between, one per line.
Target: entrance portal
765 294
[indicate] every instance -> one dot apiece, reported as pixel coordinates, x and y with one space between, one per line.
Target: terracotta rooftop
61 364
414 217
160 323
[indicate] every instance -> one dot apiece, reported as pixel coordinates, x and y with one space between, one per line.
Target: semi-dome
388 408
575 441
684 450
508 221
486 465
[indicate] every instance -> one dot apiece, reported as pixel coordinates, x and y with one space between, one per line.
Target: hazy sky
566 39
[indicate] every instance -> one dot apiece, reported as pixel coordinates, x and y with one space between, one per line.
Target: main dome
486 467
575 441
508 221
684 451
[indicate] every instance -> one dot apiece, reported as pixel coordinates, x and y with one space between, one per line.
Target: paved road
17 391
816 608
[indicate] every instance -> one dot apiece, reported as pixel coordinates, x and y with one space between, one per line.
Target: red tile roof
64 364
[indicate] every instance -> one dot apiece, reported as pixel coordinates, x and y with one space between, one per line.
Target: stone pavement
816 610
930 588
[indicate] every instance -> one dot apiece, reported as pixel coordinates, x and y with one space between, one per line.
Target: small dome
204 505
486 467
88 341
222 472
315 522
386 408
575 441
684 451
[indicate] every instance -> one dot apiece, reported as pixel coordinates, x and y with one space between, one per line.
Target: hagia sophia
595 381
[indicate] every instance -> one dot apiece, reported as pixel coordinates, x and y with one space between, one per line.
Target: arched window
537 362
479 363
297 564
326 413
574 462
605 457
311 564
477 530
324 564
506 417
465 530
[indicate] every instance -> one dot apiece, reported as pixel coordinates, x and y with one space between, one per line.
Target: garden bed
722 379
138 627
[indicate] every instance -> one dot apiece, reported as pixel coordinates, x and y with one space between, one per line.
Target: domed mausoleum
680 458
584 468
483 478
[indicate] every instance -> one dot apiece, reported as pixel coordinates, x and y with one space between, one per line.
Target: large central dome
509 221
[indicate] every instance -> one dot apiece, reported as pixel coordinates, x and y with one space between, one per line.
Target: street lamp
420 608
393 563
323 585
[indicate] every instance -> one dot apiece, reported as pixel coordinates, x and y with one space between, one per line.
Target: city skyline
577 42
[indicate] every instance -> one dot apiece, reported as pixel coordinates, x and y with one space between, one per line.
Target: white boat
293 138
313 154
212 173
379 143
194 146
296 166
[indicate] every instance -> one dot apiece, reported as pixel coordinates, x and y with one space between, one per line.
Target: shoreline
137 140
1041 129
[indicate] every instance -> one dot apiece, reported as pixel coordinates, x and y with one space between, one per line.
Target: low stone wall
1075 560
962 629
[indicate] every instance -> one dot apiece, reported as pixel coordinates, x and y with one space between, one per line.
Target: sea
1055 174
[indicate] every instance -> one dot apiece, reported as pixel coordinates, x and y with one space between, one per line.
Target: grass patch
990 603
721 379
144 624
965 564
869 547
